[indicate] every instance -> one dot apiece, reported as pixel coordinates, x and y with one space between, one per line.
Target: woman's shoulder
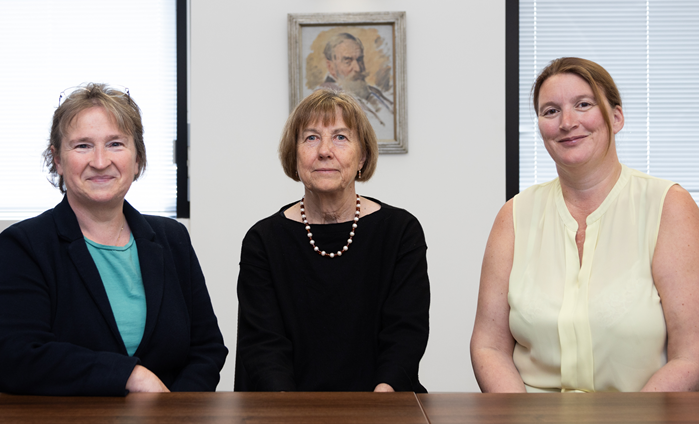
393 221
38 237
652 191
389 211
165 225
272 230
42 226
638 177
538 189
159 229
159 232
274 220
396 226
149 226
537 194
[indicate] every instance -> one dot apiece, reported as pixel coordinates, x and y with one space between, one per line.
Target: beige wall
453 179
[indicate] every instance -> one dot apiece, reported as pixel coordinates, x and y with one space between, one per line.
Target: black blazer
58 335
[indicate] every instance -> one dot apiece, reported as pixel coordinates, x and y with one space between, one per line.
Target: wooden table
636 408
220 407
340 408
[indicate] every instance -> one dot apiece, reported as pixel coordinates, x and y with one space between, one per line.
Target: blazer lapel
150 257
69 229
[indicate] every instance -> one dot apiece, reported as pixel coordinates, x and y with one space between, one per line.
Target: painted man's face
348 62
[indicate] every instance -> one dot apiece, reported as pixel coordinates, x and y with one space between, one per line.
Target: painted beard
355 85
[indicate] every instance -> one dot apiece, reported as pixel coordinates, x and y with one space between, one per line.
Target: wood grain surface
220 407
636 408
340 408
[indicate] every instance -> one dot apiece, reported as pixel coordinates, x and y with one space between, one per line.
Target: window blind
48 46
651 49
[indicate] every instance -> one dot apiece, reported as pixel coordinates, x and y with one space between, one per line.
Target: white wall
453 178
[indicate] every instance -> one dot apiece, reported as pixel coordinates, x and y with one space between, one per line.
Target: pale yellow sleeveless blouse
595 327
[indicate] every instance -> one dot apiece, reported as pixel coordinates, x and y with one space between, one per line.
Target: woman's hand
143 380
383 388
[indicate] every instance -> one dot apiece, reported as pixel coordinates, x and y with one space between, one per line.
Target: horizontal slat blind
651 49
48 46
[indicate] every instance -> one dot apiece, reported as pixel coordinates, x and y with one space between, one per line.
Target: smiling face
97 161
329 157
571 122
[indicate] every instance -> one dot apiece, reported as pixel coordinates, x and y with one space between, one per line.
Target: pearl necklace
310 235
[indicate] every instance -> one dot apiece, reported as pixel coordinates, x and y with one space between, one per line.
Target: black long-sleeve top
313 323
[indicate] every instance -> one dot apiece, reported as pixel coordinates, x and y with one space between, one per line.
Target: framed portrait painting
362 54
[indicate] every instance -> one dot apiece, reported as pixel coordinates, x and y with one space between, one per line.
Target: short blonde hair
118 105
322 106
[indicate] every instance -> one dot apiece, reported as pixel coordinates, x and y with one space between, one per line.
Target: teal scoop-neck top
121 275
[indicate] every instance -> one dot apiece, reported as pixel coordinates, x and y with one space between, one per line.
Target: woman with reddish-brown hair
590 282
